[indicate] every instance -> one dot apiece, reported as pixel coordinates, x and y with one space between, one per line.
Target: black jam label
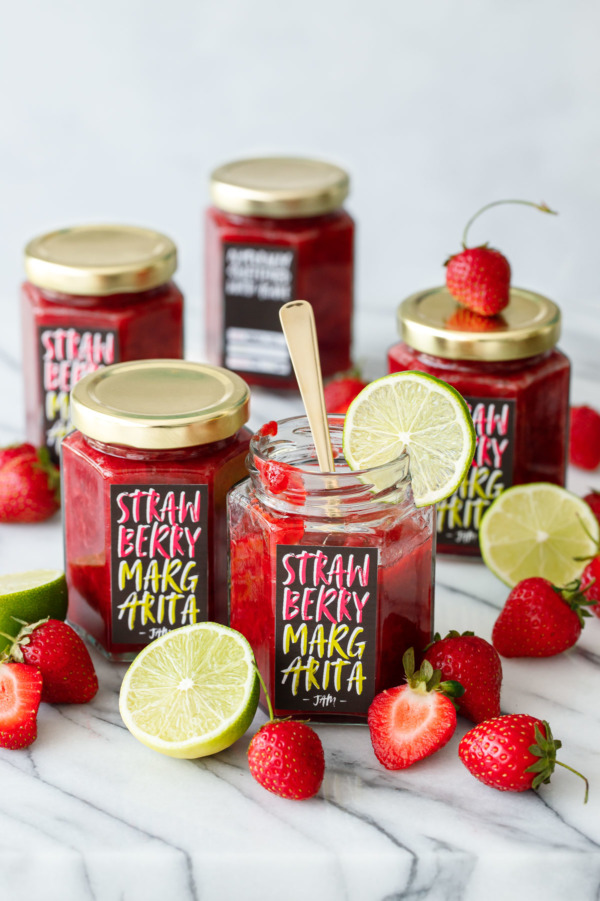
257 280
325 629
66 355
459 516
159 559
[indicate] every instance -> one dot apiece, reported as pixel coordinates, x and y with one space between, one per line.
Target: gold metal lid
96 260
159 404
434 323
279 187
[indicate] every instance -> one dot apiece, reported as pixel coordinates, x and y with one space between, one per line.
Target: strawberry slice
20 696
412 721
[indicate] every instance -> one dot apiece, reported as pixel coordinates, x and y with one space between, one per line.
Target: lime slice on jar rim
414 412
192 692
538 529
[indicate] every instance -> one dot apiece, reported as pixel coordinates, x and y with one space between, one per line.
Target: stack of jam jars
516 383
277 232
94 295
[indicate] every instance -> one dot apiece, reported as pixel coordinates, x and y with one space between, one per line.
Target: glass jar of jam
277 232
331 578
516 383
158 445
94 295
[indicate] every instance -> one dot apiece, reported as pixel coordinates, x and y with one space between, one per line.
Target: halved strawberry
412 721
20 695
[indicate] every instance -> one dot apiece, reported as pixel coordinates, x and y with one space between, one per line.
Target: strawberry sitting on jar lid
479 277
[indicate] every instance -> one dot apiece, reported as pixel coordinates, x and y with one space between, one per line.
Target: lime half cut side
30 596
538 530
191 692
416 412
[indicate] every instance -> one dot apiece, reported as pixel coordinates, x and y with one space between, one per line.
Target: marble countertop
88 813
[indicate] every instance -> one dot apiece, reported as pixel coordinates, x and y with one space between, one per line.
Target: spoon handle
298 324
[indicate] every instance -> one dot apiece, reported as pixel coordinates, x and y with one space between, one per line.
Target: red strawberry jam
331 583
516 383
277 232
96 295
145 478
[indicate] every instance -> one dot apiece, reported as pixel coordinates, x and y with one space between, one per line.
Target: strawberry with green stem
62 658
475 664
479 277
590 577
512 753
540 619
286 757
413 721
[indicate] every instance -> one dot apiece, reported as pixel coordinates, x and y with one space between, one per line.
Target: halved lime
191 692
537 530
30 596
419 413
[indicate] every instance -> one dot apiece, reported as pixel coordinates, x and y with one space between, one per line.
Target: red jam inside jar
95 295
331 580
145 478
516 383
277 232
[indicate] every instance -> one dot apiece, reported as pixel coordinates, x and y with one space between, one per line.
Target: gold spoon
298 324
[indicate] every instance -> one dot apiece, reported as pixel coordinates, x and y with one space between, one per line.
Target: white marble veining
88 813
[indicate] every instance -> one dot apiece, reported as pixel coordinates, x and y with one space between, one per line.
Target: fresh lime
191 692
419 413
30 596
538 530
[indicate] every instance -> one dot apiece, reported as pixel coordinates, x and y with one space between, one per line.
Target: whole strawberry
29 484
20 695
340 392
540 619
62 658
593 500
590 583
287 759
474 663
415 720
584 438
479 277
512 753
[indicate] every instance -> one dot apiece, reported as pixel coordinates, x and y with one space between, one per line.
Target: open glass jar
145 477
331 580
94 295
516 383
277 232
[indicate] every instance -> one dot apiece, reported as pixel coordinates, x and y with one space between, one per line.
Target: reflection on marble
88 813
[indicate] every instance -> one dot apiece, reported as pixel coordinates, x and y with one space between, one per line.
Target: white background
118 110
